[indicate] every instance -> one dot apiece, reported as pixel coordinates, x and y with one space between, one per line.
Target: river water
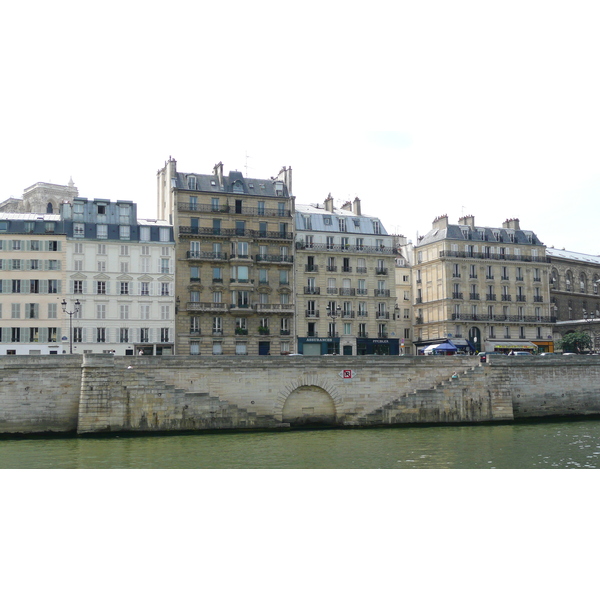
523 445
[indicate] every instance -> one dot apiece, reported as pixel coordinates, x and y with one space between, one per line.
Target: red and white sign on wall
347 374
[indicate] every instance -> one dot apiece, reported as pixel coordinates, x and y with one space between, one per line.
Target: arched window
554 281
582 283
568 281
49 208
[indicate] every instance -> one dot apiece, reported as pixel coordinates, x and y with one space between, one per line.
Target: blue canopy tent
446 348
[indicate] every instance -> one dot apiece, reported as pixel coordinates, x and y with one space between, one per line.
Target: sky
419 108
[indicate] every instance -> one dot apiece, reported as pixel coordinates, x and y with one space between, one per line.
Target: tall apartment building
120 269
32 282
483 288
403 313
345 282
234 273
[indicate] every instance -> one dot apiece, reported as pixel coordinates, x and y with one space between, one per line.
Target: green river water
523 445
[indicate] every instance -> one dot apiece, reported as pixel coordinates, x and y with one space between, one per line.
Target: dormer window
213 183
279 188
511 237
327 220
191 182
376 227
238 188
101 209
496 235
342 224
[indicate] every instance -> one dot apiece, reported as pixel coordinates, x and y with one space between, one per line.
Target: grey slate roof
576 256
319 215
249 187
480 234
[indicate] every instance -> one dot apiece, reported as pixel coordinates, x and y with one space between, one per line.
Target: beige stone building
403 313
32 281
482 288
345 282
234 260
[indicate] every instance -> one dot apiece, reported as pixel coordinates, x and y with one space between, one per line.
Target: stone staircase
444 400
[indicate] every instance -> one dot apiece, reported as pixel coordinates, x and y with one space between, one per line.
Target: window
342 224
16 264
124 267
124 335
101 287
101 209
16 286
284 278
53 265
145 264
217 275
217 327
144 335
164 289
100 311
195 274
164 234
15 311
195 325
164 265
124 312
78 265
32 311
34 334
78 334
144 289
165 312
53 286
100 334
145 312
144 234
124 232
101 231
164 334
241 348
34 286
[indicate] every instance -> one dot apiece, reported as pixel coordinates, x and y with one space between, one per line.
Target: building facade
575 293
345 282
120 272
32 282
483 288
403 313
234 260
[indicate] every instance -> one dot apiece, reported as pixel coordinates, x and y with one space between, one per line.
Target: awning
446 347
515 346
430 349
462 343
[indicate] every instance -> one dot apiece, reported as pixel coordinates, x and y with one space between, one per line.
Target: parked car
520 353
483 355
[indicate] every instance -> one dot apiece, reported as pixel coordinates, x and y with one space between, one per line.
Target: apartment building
32 279
483 288
403 313
575 293
120 279
234 273
345 282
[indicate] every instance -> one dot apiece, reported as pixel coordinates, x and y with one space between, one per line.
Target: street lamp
333 312
75 310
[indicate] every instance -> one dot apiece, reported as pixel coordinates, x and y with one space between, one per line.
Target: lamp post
333 312
75 310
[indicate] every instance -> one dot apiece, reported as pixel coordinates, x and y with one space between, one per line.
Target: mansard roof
234 183
481 234
324 220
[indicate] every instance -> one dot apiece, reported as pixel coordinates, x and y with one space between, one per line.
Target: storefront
507 347
318 346
380 347
364 346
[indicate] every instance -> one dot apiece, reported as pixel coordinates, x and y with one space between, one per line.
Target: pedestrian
141 352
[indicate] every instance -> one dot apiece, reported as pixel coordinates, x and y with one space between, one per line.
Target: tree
577 342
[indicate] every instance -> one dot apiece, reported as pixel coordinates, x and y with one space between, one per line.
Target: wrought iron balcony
215 307
382 293
347 291
274 308
382 271
332 268
274 258
382 315
315 291
521 298
311 268
473 296
207 255
312 314
490 297
490 256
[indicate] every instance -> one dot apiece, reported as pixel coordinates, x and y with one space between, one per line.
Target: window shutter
45 265
84 334
24 286
43 286
43 334
59 287
59 246
85 286
58 265
25 334
107 288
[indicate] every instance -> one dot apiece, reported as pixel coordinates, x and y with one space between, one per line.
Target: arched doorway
475 338
309 405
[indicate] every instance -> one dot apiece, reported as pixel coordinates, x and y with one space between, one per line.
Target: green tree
577 342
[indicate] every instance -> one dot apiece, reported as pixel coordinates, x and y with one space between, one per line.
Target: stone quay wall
97 393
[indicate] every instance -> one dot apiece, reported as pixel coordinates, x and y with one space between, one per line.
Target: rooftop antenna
246 163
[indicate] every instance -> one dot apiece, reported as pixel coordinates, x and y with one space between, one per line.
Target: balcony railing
312 314
207 255
347 291
503 318
381 271
506 297
538 298
314 291
490 297
311 268
362 292
332 268
383 293
223 232
521 298
346 248
383 315
348 314
246 210
511 257
332 291
361 269
274 308
217 307
473 296
275 258
457 295
284 332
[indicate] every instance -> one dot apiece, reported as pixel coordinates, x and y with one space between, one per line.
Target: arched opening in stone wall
309 405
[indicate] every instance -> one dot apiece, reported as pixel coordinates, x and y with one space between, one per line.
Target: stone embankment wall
104 393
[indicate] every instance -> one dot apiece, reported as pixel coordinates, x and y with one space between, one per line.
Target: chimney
469 221
285 175
218 173
511 224
347 206
329 203
440 222
357 210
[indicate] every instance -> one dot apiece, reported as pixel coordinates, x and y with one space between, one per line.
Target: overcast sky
482 108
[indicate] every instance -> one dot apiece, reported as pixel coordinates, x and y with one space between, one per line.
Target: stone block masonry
103 393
